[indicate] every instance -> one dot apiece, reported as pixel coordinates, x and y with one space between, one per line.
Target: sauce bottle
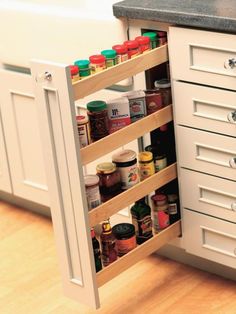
108 244
96 251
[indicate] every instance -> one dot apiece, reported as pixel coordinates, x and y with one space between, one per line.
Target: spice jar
109 180
110 56
125 238
160 212
153 39
74 72
132 47
146 165
83 130
84 68
92 191
164 86
122 53
144 43
97 63
126 163
153 100
159 157
98 119
162 37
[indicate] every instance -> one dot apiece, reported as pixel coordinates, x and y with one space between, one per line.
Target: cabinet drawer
205 108
210 238
206 152
209 195
200 56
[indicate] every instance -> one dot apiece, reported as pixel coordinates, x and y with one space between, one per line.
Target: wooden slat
126 135
138 253
119 72
129 196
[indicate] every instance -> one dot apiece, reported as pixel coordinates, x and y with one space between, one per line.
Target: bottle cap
97 59
81 119
106 227
120 48
74 69
96 105
109 53
143 40
159 197
131 44
145 156
151 35
82 64
106 168
124 156
91 180
164 83
123 230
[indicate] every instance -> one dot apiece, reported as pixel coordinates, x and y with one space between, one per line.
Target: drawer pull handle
232 116
232 162
233 207
230 63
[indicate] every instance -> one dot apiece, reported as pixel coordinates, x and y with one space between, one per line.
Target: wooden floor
30 279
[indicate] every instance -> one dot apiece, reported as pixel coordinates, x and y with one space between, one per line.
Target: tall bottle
108 244
141 219
96 251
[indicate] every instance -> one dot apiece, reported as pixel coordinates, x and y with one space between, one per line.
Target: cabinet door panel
22 135
5 183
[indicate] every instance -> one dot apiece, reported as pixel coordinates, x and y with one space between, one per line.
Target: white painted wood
204 107
208 195
5 182
211 238
199 56
22 136
206 152
65 178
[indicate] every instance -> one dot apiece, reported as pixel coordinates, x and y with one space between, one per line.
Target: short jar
97 63
132 48
84 68
83 130
146 165
153 39
122 53
125 238
92 191
160 213
126 163
159 157
98 119
162 38
153 100
165 88
144 43
109 180
74 72
111 57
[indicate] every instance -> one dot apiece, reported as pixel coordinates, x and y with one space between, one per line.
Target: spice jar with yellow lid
146 165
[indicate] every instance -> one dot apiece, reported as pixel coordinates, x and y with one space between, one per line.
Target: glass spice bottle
153 39
125 238
111 57
97 63
122 53
84 68
98 119
164 87
132 47
160 212
74 71
108 244
144 43
96 251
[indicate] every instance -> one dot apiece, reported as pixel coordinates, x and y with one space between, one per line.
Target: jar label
160 164
143 227
95 68
173 209
93 196
83 135
125 245
122 57
146 170
160 220
129 176
137 108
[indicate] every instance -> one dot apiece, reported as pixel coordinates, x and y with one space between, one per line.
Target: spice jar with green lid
84 68
98 119
153 38
111 57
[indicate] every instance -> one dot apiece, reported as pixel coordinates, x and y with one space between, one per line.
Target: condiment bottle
165 88
153 39
96 251
162 37
108 244
146 165
122 53
126 163
159 156
160 212
97 63
141 219
84 68
74 71
98 119
92 191
111 57
109 180
83 130
132 47
125 238
144 43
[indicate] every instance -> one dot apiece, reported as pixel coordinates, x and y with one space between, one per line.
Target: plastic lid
97 59
143 40
131 44
96 105
159 197
145 156
161 34
81 119
90 180
120 48
106 227
106 167
163 83
123 230
74 69
110 53
124 156
82 64
151 35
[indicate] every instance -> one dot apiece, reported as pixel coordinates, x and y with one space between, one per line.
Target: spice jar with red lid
160 214
97 63
74 71
132 47
122 53
144 43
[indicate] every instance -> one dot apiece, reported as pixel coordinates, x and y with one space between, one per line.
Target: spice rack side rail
119 72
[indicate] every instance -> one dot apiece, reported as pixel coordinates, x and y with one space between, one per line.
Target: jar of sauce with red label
125 237
144 43
122 53
97 63
160 212
153 100
132 47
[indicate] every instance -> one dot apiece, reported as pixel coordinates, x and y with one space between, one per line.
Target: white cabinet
55 97
22 137
5 182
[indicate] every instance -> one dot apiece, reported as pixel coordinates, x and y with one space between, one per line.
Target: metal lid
106 167
164 83
91 180
145 156
123 230
124 156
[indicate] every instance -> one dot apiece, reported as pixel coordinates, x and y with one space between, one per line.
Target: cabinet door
5 183
21 128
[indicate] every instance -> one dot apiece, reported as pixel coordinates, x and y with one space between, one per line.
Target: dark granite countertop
207 14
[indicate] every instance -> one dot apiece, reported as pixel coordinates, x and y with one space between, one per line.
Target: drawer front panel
210 238
206 152
202 57
209 195
205 108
